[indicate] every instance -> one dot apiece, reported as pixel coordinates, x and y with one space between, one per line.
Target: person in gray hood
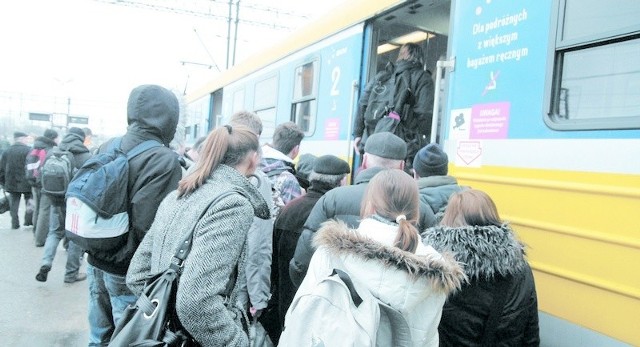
152 114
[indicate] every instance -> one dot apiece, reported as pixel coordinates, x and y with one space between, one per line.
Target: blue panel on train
500 49
340 69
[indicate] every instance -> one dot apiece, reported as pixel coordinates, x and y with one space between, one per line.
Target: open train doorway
423 22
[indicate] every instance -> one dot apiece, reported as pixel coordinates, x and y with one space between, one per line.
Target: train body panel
554 144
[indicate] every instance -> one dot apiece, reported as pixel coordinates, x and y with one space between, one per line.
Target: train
537 103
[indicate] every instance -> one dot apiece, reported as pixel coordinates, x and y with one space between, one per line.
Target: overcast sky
94 52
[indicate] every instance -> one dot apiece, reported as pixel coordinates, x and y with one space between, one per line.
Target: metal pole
229 32
440 65
68 110
235 35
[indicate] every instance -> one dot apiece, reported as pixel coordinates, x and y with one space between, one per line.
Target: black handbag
4 203
153 321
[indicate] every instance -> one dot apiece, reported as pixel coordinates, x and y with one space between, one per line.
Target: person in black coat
328 172
14 181
499 306
415 108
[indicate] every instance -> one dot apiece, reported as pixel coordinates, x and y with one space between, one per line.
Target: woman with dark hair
385 256
206 300
498 307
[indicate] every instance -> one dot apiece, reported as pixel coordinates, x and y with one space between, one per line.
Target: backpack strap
401 333
142 147
355 297
116 143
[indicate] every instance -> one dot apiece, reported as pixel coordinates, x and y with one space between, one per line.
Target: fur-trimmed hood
441 270
485 251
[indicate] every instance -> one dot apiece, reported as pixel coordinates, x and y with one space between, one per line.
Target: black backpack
380 98
57 172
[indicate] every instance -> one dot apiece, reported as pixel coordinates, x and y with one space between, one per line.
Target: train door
424 22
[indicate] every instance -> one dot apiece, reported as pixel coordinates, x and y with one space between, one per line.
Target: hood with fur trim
441 270
485 251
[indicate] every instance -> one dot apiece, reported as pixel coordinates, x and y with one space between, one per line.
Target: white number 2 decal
335 78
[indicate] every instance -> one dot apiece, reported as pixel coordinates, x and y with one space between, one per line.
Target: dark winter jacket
496 266
418 115
436 190
286 232
422 89
12 173
75 144
342 203
152 114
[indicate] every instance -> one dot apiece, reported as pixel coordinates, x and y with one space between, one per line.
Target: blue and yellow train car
537 103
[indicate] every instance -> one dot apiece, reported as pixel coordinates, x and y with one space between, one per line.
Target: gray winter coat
257 283
219 249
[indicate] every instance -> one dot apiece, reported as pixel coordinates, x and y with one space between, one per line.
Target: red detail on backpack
33 165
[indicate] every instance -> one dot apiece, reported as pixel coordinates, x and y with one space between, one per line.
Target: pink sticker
490 121
331 128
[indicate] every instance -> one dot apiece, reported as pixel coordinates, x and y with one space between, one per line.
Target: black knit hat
18 134
331 165
77 131
305 165
51 134
431 161
386 145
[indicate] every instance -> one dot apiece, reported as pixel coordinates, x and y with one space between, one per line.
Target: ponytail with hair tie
400 217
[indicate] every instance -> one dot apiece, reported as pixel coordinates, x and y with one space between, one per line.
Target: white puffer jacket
417 284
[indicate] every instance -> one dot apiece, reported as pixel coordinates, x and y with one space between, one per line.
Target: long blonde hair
225 145
390 194
470 207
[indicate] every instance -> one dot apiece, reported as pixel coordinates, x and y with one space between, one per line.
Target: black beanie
77 131
431 161
51 134
331 165
19 134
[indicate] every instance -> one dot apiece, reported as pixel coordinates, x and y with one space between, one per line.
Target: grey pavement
32 313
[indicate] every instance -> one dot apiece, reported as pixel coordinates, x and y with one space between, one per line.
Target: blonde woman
208 284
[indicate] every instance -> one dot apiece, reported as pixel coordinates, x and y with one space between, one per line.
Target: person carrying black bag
412 101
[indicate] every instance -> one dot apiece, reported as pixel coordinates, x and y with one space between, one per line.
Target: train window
238 101
303 106
266 92
597 73
268 117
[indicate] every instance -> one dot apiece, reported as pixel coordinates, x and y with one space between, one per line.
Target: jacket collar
442 271
224 173
366 175
485 251
435 181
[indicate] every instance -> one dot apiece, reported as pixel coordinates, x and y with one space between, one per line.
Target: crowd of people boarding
434 254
